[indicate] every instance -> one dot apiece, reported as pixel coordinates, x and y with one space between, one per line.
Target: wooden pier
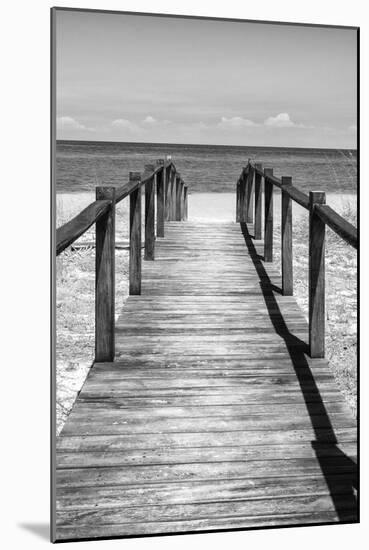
211 414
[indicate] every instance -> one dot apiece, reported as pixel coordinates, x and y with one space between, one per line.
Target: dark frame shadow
339 470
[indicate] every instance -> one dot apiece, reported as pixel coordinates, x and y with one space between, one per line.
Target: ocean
81 165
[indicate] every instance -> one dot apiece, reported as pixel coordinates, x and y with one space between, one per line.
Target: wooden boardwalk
212 415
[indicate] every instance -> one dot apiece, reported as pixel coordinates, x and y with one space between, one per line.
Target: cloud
69 123
149 120
235 122
126 124
282 120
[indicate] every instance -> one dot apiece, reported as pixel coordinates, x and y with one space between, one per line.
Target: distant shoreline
205 145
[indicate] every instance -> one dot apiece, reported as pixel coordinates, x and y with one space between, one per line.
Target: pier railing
161 179
249 210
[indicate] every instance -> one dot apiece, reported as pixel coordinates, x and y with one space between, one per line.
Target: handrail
68 233
342 227
320 216
77 226
170 204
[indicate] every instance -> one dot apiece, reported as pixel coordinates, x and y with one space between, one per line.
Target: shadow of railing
339 470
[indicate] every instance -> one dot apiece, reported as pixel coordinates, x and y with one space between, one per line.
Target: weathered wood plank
213 406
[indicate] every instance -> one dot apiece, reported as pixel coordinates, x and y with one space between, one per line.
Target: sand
212 207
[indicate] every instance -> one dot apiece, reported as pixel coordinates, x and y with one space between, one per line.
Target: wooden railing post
173 189
160 199
268 216
182 200
238 190
135 236
185 203
250 195
178 195
316 278
258 200
286 239
167 174
150 215
243 196
105 280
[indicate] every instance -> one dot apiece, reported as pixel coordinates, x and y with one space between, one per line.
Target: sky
170 80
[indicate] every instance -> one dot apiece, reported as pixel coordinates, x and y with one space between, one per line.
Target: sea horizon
82 165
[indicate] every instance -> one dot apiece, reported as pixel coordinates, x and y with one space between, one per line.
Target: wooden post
250 195
160 199
185 203
268 216
286 239
316 278
258 200
178 197
105 280
135 236
243 197
182 200
150 215
238 189
167 174
173 195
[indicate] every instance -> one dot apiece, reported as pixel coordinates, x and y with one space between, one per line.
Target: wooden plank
203 525
221 490
268 216
135 237
149 216
213 406
286 239
127 442
169 473
105 279
316 277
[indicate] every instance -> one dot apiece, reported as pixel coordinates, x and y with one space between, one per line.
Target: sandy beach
76 279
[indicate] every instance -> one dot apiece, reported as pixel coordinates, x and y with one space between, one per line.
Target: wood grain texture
150 218
213 415
258 201
316 277
72 230
338 224
135 239
160 200
105 279
268 216
286 238
250 195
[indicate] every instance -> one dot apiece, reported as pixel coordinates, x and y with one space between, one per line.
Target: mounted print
204 178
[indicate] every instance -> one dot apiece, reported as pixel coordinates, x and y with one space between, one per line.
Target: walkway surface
212 416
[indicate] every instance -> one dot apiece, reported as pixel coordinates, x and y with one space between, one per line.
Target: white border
25 267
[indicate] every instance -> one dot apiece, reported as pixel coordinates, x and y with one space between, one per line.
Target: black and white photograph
204 226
